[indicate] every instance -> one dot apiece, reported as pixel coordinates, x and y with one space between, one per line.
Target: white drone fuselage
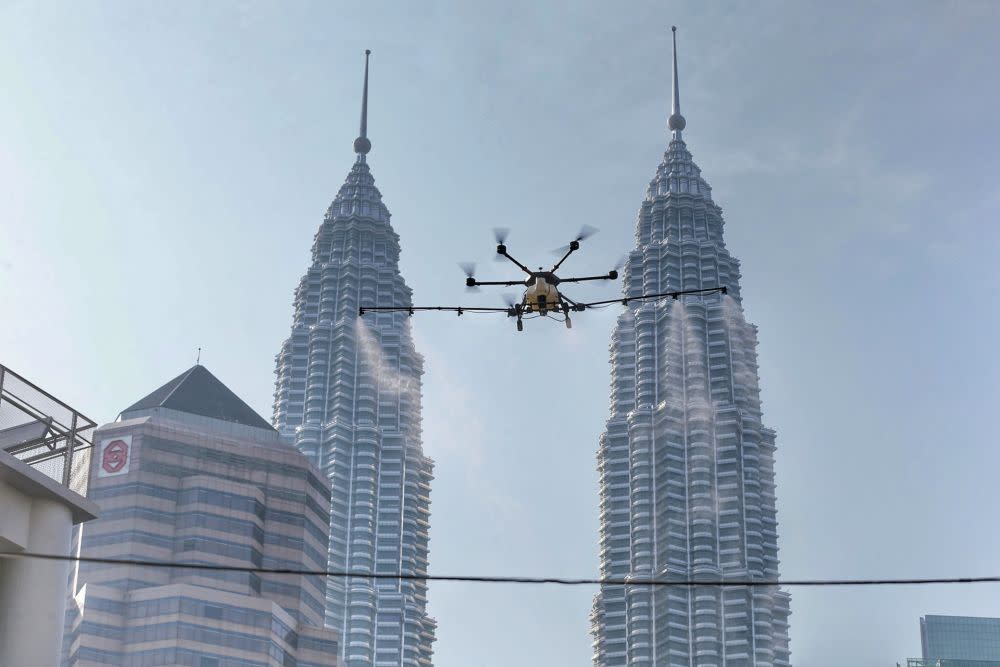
548 293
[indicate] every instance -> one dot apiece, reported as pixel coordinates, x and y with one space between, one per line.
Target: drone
542 296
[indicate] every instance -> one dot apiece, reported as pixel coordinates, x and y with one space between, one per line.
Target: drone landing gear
520 324
565 309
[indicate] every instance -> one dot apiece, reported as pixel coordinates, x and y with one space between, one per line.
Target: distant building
958 641
40 439
191 473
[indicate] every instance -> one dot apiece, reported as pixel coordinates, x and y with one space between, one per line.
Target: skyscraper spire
676 123
361 144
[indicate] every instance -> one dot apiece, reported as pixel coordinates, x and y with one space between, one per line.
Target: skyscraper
685 464
958 641
348 394
191 473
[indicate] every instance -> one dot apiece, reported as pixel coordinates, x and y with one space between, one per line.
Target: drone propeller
585 233
510 299
500 234
469 269
613 273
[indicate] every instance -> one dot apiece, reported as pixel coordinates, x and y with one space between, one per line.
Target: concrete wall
37 515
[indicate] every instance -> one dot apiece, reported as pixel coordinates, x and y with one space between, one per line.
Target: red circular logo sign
115 456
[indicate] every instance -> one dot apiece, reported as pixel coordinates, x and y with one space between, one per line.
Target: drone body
541 296
542 293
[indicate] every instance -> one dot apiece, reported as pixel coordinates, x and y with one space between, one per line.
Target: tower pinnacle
676 121
361 144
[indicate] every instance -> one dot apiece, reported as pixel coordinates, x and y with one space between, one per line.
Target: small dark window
214 612
208 662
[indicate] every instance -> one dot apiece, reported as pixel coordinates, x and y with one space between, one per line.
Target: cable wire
485 579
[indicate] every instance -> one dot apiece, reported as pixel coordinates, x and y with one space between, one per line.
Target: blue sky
163 167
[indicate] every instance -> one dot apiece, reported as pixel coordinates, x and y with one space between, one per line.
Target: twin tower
685 464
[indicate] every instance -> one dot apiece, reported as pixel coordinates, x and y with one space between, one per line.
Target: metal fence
44 432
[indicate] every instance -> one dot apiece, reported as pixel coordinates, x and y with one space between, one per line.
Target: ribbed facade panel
348 394
686 468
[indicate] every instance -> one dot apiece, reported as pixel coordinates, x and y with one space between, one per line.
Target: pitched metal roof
198 392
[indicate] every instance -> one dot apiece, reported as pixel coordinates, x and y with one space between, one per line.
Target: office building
958 641
191 474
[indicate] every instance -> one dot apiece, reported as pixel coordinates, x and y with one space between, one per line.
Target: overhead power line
489 579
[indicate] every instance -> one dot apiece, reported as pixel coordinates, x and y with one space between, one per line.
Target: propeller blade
620 263
510 299
468 268
586 232
472 288
501 234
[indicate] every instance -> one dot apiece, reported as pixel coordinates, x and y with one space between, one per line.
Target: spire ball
362 145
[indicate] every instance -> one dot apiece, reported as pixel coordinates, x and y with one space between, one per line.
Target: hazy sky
164 166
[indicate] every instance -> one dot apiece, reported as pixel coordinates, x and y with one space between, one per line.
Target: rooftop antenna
676 122
361 144
197 361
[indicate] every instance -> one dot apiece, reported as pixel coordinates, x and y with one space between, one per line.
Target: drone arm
506 283
503 253
413 309
645 297
572 248
611 275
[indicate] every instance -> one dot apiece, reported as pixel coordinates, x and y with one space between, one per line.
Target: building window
213 611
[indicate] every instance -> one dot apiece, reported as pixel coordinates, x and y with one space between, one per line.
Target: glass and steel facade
182 487
959 641
348 394
686 464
